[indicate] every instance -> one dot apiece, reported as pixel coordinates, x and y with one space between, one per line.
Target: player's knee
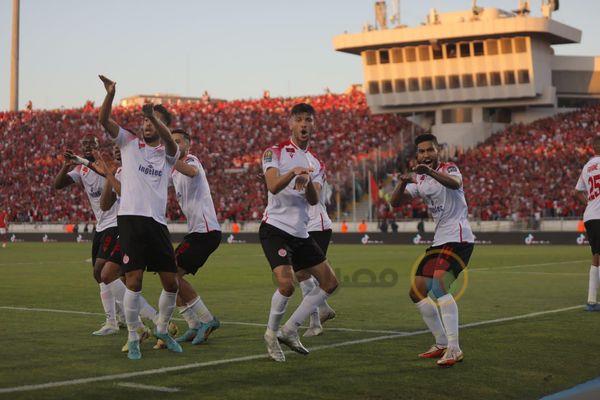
438 288
286 288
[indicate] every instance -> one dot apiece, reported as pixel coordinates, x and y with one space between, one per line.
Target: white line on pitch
525 265
128 375
148 387
538 273
50 310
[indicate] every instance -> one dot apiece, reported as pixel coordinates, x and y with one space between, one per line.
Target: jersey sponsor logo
149 170
95 193
268 156
451 169
436 209
282 252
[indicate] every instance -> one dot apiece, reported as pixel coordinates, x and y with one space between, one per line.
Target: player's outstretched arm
163 131
276 182
400 196
186 169
62 179
104 118
449 181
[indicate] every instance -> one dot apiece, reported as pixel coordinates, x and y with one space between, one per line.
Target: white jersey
448 207
288 209
319 219
589 182
194 198
145 177
93 184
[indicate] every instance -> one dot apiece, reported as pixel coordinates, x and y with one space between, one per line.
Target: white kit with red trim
93 184
319 220
194 198
589 182
144 177
288 209
447 207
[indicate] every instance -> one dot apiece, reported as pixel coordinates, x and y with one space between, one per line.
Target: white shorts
2 231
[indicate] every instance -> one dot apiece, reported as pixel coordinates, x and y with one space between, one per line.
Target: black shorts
323 238
194 250
281 248
592 228
452 257
103 243
145 244
116 256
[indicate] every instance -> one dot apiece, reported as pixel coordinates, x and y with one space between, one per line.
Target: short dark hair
183 133
302 108
159 108
428 137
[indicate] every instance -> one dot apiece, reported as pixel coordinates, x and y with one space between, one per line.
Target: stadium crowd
229 138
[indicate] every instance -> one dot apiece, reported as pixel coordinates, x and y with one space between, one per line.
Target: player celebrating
319 228
588 189
105 233
143 234
203 238
441 187
294 177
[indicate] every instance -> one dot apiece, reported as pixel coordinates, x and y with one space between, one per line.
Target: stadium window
457 115
370 57
447 116
451 50
482 80
524 76
509 78
397 56
440 82
477 49
495 79
386 86
465 50
491 47
413 85
426 84
410 54
438 52
399 86
467 81
384 57
373 87
520 45
506 46
453 82
424 53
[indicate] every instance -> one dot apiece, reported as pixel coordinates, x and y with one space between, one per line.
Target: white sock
307 286
325 307
147 311
108 303
449 311
166 305
131 303
312 300
198 307
190 317
431 316
278 305
117 287
593 285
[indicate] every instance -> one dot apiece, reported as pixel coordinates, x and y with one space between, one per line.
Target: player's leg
307 284
274 245
307 255
161 259
592 228
323 239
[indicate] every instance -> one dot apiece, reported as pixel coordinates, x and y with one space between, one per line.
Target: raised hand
70 159
407 178
148 110
422 169
301 181
109 85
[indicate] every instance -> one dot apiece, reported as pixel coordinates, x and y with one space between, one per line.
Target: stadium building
468 74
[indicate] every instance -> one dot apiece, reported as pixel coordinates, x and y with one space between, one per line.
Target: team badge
268 156
282 252
291 151
125 259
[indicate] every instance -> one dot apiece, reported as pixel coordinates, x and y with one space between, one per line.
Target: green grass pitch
361 356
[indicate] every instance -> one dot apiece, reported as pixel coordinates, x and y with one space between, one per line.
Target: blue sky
233 49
